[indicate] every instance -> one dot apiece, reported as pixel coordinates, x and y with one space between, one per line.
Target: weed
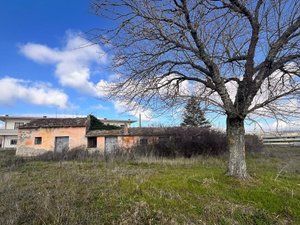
149 190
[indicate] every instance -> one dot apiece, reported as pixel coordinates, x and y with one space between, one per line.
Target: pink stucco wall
125 142
77 138
101 144
26 137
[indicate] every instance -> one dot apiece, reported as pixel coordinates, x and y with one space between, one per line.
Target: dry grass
150 191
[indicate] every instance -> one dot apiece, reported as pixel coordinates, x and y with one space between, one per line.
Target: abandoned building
89 133
126 138
59 134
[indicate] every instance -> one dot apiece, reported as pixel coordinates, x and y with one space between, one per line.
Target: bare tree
241 57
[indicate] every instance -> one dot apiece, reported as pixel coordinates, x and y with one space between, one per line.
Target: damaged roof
136 131
67 122
55 123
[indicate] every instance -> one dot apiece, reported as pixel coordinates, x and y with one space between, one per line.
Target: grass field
150 191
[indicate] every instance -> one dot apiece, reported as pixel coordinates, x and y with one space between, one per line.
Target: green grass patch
150 191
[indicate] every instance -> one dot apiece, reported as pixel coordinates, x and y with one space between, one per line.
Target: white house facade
9 130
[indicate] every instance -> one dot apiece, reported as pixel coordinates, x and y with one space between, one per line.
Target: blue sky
44 70
35 82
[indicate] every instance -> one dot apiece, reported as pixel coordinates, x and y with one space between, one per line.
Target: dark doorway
92 142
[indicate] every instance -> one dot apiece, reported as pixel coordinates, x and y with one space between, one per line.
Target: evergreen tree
193 115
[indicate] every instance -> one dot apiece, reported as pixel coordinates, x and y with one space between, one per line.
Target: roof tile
55 123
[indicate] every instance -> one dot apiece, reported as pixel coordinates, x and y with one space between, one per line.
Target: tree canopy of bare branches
240 57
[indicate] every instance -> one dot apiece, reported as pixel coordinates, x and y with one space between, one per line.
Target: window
92 142
13 141
144 141
18 124
38 140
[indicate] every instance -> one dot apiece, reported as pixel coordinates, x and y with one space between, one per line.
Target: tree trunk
236 144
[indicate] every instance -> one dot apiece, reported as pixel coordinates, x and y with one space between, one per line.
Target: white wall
7 140
117 123
10 124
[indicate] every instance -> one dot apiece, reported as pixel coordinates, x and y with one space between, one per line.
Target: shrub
79 153
253 143
187 142
121 154
96 124
9 160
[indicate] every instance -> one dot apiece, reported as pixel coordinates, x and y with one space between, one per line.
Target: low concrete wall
282 138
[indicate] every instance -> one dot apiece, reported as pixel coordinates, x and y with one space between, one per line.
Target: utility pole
140 120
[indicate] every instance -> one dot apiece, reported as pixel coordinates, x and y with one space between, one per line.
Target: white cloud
99 107
171 88
12 90
279 84
72 68
52 115
72 62
133 109
266 126
285 126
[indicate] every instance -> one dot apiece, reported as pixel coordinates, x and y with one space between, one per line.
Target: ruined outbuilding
61 134
65 134
126 138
